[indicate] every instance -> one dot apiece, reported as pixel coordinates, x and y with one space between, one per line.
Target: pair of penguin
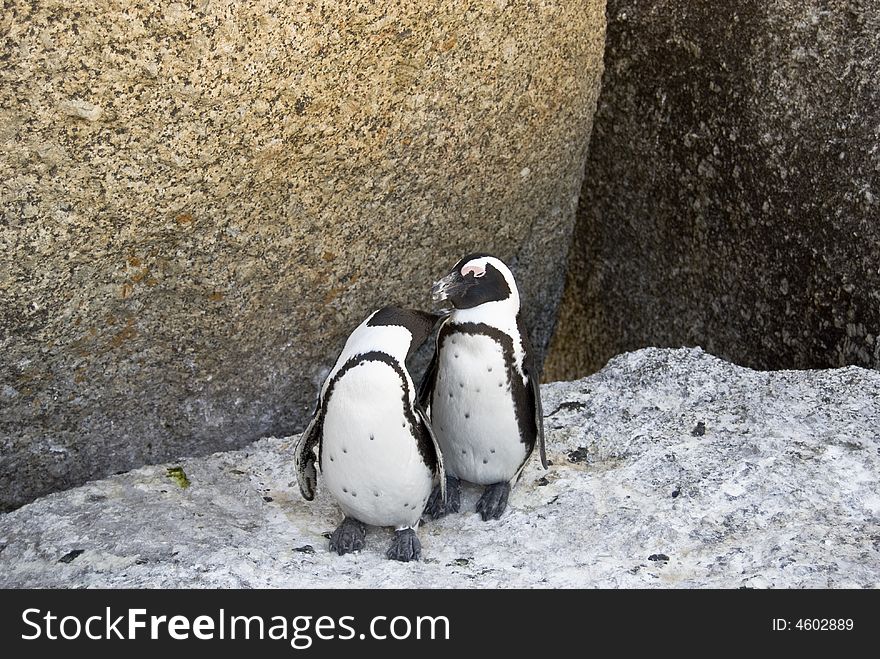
476 417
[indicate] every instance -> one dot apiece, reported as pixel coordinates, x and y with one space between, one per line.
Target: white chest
472 411
369 458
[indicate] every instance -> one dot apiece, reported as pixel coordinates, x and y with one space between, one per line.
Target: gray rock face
732 192
198 201
671 468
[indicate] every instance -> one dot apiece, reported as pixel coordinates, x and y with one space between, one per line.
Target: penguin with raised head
481 390
377 454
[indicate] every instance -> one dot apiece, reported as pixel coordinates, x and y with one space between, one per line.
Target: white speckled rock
670 468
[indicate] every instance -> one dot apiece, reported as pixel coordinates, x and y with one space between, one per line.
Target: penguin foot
349 536
493 503
405 546
436 507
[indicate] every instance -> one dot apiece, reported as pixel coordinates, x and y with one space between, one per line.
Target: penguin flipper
441 470
535 391
426 386
305 458
533 387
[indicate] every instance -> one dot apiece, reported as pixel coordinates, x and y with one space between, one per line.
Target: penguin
481 389
377 454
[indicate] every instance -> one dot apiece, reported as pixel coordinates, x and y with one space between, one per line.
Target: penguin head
393 331
475 280
419 324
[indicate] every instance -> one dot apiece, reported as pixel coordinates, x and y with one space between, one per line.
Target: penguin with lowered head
371 438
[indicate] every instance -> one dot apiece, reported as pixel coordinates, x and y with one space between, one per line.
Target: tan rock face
199 200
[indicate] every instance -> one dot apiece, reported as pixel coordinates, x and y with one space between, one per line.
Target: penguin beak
445 291
441 290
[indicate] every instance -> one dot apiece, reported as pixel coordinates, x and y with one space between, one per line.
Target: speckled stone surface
732 192
670 468
199 200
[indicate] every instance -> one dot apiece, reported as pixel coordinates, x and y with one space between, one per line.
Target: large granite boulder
199 201
670 468
732 192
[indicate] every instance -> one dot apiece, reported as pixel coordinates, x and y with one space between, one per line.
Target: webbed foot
436 507
493 503
349 536
405 546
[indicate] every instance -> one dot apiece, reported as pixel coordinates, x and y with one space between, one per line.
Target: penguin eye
475 270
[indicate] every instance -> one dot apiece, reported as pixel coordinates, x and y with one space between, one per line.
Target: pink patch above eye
477 270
